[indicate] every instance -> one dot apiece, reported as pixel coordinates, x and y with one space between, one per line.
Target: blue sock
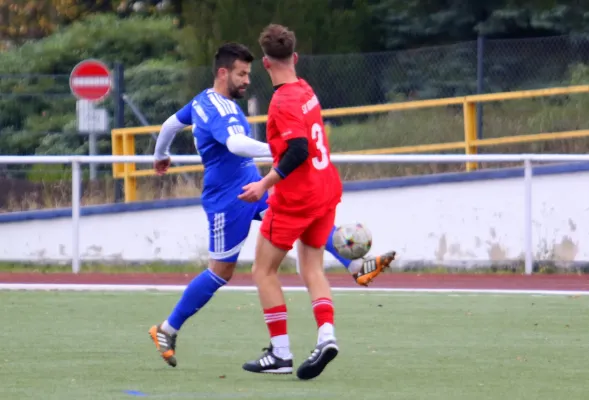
329 247
198 293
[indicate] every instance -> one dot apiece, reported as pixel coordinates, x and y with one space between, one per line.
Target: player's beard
234 90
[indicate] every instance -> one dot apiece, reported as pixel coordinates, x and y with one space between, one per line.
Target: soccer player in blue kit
222 137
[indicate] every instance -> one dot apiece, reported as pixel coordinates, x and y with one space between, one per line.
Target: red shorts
283 230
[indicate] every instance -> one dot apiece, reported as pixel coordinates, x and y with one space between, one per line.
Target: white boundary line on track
179 288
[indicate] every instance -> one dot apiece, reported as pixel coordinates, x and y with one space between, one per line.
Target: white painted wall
472 222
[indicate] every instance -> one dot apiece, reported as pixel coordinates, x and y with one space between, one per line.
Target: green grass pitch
82 345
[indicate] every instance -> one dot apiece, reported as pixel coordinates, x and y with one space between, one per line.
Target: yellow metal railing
123 139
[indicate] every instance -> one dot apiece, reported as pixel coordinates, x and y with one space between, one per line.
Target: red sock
275 318
323 310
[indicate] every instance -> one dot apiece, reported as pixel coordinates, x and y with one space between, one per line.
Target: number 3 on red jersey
318 137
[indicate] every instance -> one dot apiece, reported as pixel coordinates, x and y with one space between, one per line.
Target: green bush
157 88
106 37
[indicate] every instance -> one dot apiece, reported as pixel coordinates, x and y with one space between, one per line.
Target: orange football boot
164 343
372 267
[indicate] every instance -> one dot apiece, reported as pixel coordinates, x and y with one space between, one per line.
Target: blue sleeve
224 126
185 114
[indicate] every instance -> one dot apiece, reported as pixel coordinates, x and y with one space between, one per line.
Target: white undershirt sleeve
166 137
245 146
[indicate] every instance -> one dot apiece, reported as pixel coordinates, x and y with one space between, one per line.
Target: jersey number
317 134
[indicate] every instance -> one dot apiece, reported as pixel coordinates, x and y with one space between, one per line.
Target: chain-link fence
38 112
340 80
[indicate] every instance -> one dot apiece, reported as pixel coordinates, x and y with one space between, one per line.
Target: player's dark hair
227 54
277 42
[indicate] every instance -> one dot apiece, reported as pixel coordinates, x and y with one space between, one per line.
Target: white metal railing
526 159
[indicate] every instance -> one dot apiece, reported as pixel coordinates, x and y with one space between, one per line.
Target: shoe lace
266 351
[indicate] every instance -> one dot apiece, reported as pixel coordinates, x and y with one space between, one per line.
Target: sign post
92 121
90 83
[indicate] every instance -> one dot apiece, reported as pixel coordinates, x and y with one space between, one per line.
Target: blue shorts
229 229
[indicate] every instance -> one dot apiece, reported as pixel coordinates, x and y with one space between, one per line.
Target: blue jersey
214 118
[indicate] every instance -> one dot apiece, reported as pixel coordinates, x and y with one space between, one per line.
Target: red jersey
315 185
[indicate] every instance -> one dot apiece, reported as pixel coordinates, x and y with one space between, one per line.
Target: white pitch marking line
180 288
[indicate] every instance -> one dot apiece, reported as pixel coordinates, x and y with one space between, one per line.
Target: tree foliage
322 27
413 23
34 19
28 19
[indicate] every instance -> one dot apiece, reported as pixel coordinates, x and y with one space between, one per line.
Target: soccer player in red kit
307 190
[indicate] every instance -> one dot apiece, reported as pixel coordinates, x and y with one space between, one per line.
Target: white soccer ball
352 241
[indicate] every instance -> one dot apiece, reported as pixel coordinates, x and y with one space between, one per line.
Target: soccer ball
352 241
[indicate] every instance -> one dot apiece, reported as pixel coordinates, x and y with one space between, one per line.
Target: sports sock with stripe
275 318
324 316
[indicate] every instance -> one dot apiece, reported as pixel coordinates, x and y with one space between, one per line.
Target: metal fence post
119 120
480 83
76 191
469 111
529 262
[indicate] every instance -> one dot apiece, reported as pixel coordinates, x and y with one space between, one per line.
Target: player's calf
265 273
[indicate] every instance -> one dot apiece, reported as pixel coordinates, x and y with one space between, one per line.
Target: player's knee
315 281
311 272
222 269
266 264
260 272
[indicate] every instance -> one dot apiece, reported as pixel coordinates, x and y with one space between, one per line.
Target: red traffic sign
90 80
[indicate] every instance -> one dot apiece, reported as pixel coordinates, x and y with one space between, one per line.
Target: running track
386 280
